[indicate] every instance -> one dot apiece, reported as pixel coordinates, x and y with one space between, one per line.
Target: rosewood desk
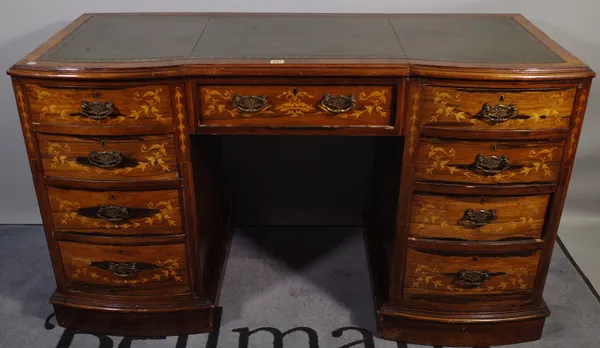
477 117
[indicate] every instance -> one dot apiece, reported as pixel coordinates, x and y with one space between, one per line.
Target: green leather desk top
148 37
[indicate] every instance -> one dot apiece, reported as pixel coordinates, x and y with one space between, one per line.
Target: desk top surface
101 41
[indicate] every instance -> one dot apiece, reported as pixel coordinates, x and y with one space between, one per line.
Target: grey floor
581 236
311 281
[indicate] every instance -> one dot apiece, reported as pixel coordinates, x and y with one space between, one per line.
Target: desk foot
460 330
190 317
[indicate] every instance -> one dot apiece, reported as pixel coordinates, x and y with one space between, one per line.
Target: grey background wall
24 24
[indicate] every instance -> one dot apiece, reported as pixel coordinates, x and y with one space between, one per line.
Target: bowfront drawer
488 109
469 280
296 105
477 218
116 212
127 158
488 162
101 106
126 269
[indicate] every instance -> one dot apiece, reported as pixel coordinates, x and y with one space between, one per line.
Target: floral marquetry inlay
70 212
154 155
24 117
412 130
579 111
218 102
537 109
148 102
58 103
430 275
438 214
448 107
294 103
441 160
551 103
51 102
180 119
158 212
86 269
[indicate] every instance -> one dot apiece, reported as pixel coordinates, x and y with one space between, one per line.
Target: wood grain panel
462 108
148 212
444 217
453 161
139 158
296 106
126 270
436 277
132 105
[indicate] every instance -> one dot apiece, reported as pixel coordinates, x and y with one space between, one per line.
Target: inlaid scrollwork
154 155
126 272
484 167
451 103
116 217
180 119
24 117
56 104
468 280
579 111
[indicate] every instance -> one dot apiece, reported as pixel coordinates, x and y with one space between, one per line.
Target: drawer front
300 105
480 109
477 218
469 278
115 159
126 269
102 106
488 162
116 212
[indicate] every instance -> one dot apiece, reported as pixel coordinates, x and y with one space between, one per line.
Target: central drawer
296 105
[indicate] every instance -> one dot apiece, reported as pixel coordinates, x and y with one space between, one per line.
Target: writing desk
477 118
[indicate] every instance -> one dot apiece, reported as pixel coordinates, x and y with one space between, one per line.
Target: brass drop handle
490 165
477 218
97 110
498 113
338 104
105 159
112 213
123 269
470 279
250 103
